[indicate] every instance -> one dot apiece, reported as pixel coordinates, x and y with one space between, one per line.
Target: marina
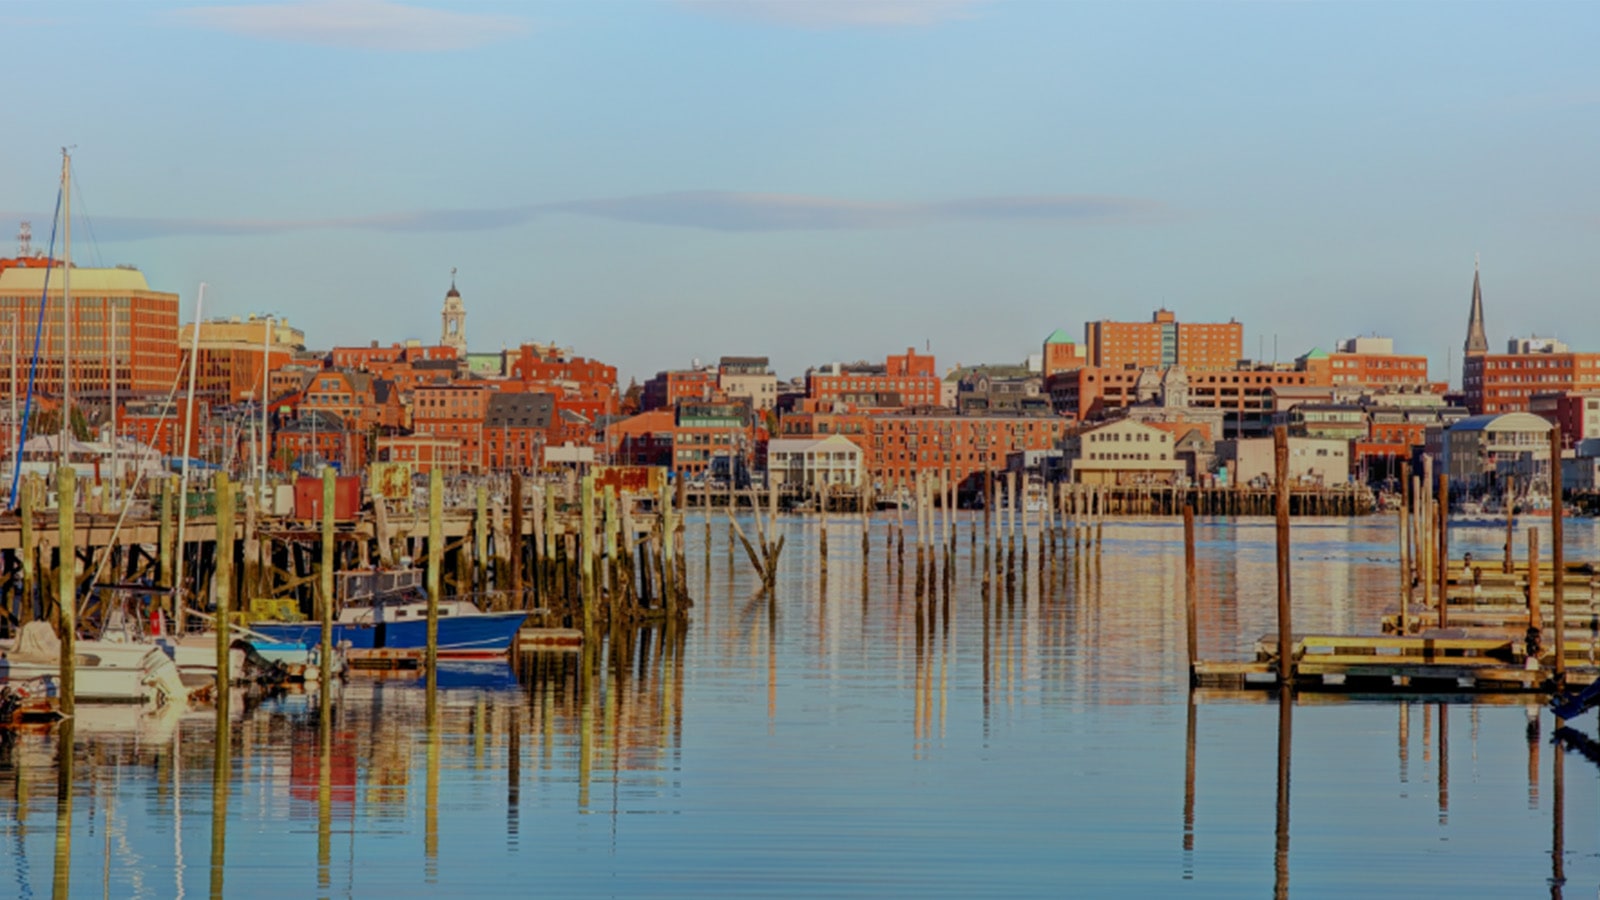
710 740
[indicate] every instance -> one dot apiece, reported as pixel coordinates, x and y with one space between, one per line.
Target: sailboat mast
266 397
178 610
66 305
16 423
111 369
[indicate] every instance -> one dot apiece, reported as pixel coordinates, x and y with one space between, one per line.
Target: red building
905 380
584 386
1163 341
642 440
517 428
454 412
1576 413
667 388
313 439
144 353
422 451
1507 382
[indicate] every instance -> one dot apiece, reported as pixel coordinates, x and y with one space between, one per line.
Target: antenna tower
25 240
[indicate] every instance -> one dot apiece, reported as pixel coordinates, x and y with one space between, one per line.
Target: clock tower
453 332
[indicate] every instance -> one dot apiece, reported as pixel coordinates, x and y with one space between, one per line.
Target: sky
652 182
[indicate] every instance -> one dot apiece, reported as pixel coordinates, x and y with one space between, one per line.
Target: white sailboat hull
107 672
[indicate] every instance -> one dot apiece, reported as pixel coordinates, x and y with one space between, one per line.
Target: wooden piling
30 550
1508 501
222 595
668 583
1443 556
1189 598
1535 612
435 567
1558 555
609 523
513 553
480 541
163 535
586 545
1280 448
380 527
325 611
67 586
1405 547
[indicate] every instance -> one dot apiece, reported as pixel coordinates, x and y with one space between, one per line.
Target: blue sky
656 181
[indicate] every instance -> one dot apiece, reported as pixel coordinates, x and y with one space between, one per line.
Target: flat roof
88 281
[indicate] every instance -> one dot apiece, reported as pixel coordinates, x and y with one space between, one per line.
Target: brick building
584 386
453 412
1370 363
1578 414
668 387
904 380
1497 383
1162 342
517 428
143 351
1061 354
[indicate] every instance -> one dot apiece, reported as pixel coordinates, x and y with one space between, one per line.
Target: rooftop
85 281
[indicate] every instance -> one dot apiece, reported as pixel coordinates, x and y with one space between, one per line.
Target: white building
1482 451
807 464
1324 461
1121 452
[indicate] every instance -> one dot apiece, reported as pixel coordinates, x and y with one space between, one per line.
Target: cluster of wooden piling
1424 643
1063 518
606 561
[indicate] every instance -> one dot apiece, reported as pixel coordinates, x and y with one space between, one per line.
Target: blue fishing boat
389 610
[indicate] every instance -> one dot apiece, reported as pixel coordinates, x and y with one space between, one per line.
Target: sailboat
112 668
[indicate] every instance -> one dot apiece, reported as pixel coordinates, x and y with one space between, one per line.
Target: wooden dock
549 639
383 660
1443 660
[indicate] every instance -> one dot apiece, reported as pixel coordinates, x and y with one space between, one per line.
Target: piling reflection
62 874
221 772
1558 822
430 827
1078 653
324 793
1280 860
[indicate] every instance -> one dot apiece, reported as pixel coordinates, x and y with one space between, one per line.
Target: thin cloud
359 24
725 211
839 13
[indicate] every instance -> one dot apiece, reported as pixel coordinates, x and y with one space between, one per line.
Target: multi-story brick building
750 378
119 325
516 429
1245 394
1506 382
901 444
1162 342
344 393
584 386
1370 363
314 439
422 451
1061 354
670 386
233 352
904 380
1577 413
454 412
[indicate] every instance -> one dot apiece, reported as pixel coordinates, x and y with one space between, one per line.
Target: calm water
843 740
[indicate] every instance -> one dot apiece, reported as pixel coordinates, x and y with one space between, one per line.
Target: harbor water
843 737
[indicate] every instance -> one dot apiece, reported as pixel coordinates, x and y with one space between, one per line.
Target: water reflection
998 731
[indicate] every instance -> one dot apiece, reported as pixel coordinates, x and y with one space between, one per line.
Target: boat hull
464 637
